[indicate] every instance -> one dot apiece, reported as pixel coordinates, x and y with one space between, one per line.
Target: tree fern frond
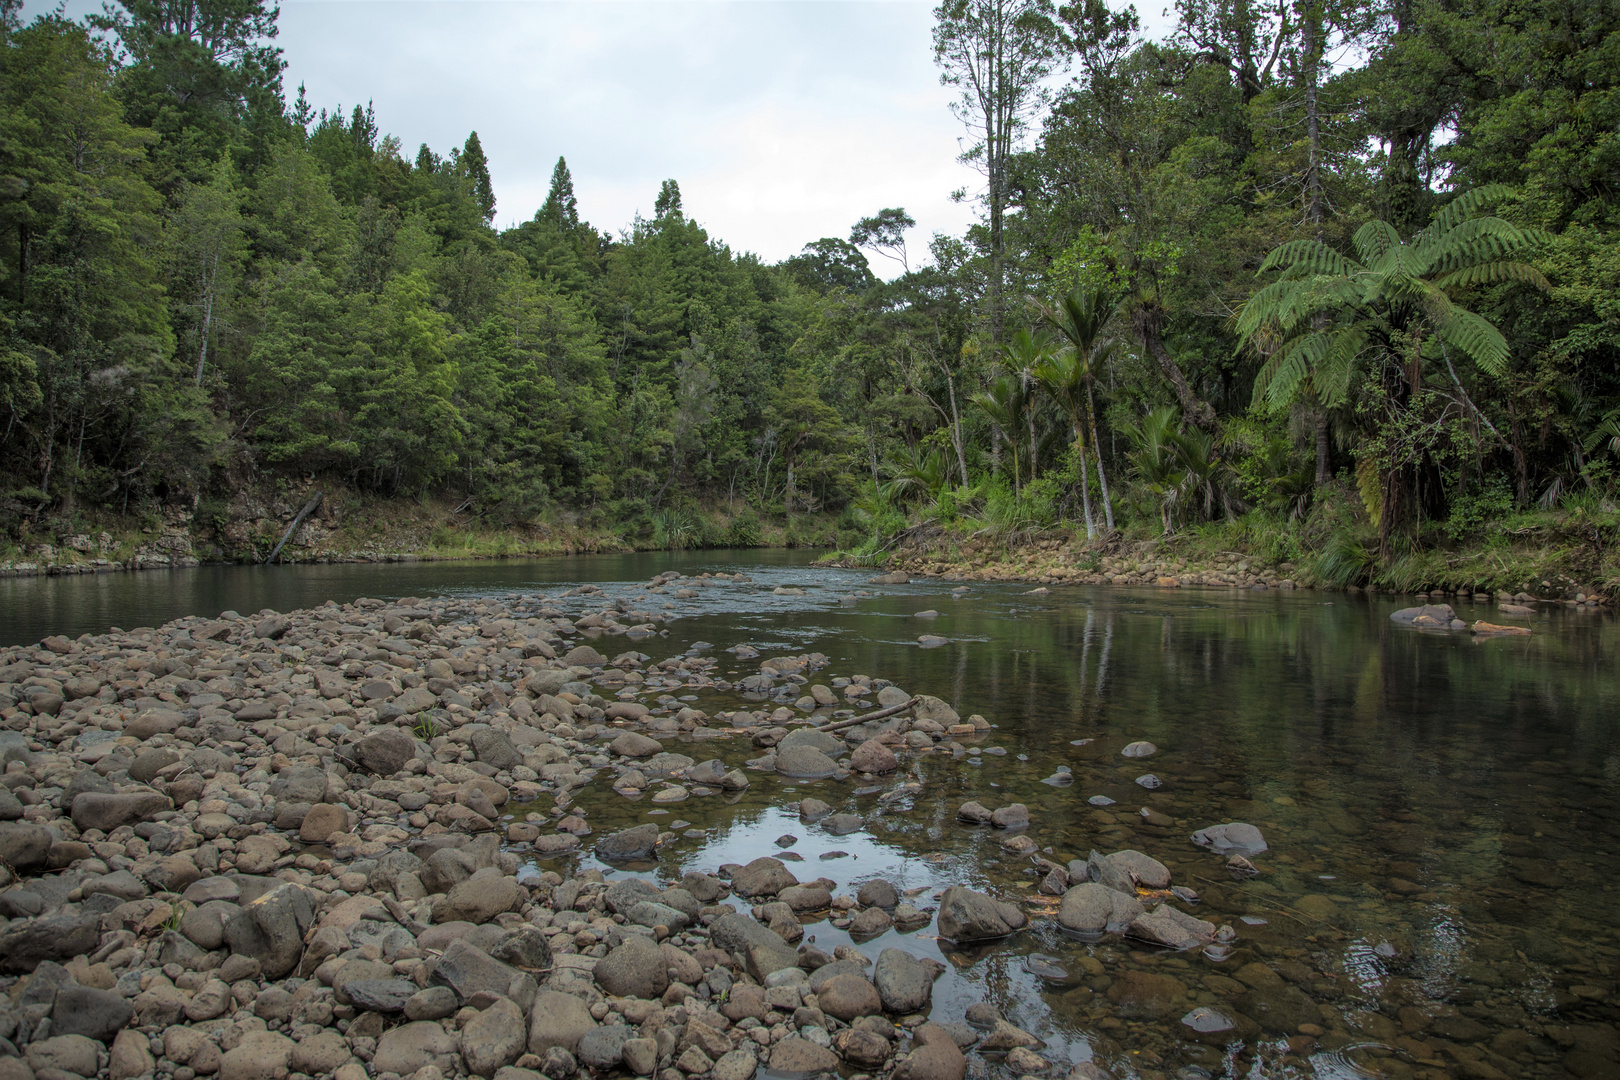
1338 364
1465 206
1310 254
1476 337
1374 239
1289 371
1492 272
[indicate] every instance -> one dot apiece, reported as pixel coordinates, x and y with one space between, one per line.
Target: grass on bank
1485 545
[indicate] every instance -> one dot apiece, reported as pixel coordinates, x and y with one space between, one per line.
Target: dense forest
1341 280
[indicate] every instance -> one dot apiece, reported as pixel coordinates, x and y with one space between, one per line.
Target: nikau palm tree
1389 308
1070 374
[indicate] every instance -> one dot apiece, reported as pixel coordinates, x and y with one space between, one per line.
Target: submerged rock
1232 837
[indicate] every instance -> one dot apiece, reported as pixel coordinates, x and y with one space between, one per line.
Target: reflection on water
1437 900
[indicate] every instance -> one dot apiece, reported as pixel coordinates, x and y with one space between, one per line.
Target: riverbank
348 842
351 527
1556 563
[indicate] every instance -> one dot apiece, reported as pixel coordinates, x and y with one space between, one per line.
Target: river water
1443 813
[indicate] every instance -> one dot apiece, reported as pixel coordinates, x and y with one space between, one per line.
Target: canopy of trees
1290 248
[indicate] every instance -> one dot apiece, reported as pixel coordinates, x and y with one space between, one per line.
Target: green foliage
676 530
200 282
744 530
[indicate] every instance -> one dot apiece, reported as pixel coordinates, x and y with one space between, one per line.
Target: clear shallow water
1443 813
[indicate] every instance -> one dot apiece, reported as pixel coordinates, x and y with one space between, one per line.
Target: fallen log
879 715
309 508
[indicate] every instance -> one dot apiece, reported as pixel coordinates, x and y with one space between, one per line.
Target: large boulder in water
965 915
628 844
1433 616
1092 907
805 761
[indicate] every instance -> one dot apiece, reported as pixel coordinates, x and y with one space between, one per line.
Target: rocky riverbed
312 844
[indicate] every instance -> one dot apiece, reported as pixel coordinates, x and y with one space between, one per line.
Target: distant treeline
1369 247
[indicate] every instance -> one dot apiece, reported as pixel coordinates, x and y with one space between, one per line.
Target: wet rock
764 876
1431 616
965 915
1015 816
878 893
1143 870
973 813
804 761
870 923
1092 907
873 756
903 983
1165 925
864 1049
813 809
1005 1036
1139 750
634 745
1142 995
848 996
1233 836
843 824
934 1056
637 843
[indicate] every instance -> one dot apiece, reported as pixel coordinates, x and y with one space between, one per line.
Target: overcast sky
782 120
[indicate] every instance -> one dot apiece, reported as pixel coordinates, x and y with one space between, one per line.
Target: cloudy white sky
782 120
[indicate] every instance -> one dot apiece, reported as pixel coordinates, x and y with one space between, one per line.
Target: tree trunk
1148 323
1096 442
1320 422
1085 481
956 429
1313 120
208 318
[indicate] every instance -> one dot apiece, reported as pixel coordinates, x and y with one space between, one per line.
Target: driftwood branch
879 715
309 508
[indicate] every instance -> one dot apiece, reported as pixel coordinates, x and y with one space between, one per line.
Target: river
1442 812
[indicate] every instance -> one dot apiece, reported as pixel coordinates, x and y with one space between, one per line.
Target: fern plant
1325 312
1328 318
